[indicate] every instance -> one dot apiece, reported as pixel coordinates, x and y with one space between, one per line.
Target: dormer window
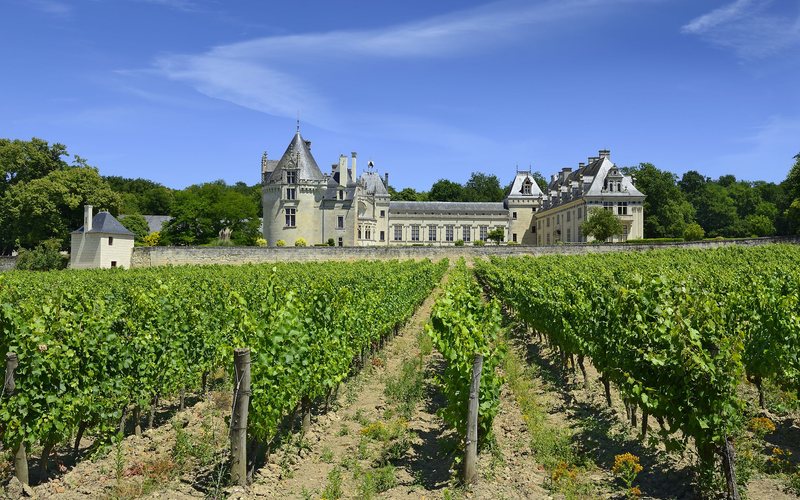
291 177
341 194
526 186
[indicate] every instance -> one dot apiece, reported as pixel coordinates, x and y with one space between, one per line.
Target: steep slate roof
446 206
297 155
156 222
373 184
104 222
516 187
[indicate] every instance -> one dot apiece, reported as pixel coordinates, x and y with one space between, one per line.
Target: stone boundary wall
7 263
161 256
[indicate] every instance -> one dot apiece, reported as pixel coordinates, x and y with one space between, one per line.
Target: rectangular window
415 233
340 222
341 241
383 213
341 194
448 233
290 217
568 212
548 222
383 236
113 263
548 238
369 234
466 234
608 205
431 233
569 234
622 208
514 215
580 209
398 232
291 177
291 193
484 232
580 236
514 237
110 240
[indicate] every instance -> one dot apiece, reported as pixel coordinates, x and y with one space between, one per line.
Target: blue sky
188 91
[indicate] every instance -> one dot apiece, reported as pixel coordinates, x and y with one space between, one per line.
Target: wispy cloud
751 28
185 5
271 74
52 7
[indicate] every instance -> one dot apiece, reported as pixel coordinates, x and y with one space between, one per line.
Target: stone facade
7 263
301 202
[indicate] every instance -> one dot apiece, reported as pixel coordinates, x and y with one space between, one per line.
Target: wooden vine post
20 457
241 401
471 452
728 461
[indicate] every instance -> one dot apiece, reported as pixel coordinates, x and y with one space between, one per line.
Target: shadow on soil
597 429
432 457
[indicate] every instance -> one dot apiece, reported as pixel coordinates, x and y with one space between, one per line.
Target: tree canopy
601 224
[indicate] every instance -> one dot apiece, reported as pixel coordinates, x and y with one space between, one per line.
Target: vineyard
698 349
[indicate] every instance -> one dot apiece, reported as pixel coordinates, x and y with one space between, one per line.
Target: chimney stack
386 179
581 165
353 167
87 218
342 170
605 153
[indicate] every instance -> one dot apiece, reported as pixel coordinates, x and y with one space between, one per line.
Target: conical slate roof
297 156
104 222
373 184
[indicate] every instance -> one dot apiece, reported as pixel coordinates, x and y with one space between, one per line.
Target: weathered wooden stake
306 409
20 456
728 461
471 452
122 420
241 401
645 416
137 420
152 416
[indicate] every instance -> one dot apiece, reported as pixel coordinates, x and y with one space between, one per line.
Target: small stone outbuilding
102 242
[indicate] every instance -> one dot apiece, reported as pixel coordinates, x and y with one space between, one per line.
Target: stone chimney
353 174
87 218
386 179
581 165
565 172
605 153
342 170
592 159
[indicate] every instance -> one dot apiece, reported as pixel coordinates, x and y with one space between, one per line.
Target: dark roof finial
298 121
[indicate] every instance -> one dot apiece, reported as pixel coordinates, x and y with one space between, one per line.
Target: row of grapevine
463 325
93 345
676 331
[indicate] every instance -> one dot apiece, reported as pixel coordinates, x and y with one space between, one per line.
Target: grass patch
551 446
404 390
333 488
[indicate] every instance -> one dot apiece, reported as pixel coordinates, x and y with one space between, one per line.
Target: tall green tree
201 211
136 224
51 206
24 161
666 209
716 211
141 196
483 187
445 190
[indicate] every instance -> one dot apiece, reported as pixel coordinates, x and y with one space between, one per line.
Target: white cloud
751 28
52 7
269 74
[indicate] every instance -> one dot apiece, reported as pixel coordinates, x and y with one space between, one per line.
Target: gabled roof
297 156
516 186
373 184
104 222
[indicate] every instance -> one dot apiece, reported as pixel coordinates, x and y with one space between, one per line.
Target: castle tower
291 196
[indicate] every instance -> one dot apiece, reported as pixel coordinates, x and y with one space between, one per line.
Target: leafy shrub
300 242
459 243
280 243
693 232
45 257
261 242
152 239
331 243
137 225
478 243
